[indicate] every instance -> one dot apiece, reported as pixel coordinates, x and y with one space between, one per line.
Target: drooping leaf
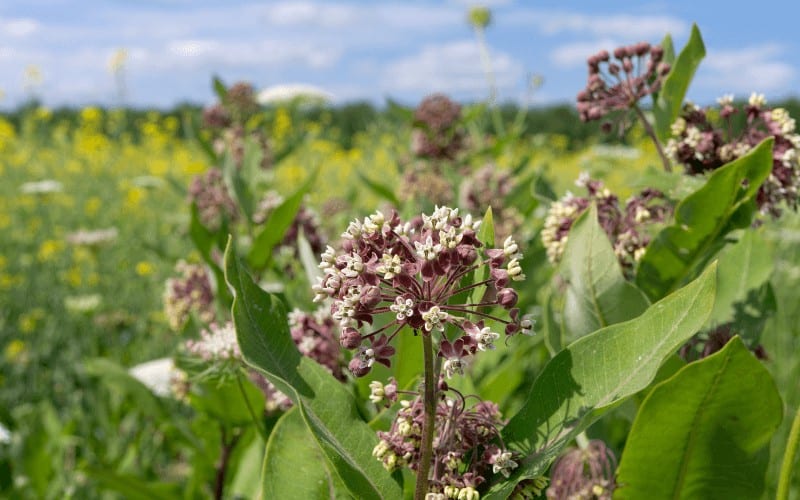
276 226
598 371
327 407
673 91
703 432
385 192
124 383
597 293
743 266
294 466
701 221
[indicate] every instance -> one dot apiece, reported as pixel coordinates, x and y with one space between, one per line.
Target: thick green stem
429 405
652 133
583 440
792 444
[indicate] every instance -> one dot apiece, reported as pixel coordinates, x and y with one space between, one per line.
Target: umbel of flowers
412 271
626 227
706 139
190 293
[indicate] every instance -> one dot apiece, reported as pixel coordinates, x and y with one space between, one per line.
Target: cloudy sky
373 50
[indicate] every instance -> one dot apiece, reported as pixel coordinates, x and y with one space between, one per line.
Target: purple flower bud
507 298
358 368
350 338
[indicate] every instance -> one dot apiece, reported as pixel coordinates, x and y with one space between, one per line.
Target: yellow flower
14 350
134 197
48 249
92 206
144 268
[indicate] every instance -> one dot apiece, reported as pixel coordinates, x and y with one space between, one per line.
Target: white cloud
18 27
575 54
451 67
638 27
750 69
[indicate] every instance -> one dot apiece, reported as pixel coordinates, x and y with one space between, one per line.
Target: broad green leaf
118 377
225 400
673 91
276 225
701 221
329 410
246 477
743 266
379 189
703 432
669 49
598 371
597 293
294 466
308 259
133 487
486 230
553 334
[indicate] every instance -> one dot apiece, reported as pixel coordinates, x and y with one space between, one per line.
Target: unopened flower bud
507 297
350 338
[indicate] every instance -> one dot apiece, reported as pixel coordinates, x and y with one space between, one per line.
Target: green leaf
219 88
553 334
597 293
276 226
743 266
246 479
379 189
225 401
669 49
329 410
308 259
673 91
702 433
117 377
486 236
598 371
293 463
132 487
486 231
702 220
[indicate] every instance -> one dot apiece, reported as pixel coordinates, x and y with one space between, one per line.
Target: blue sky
373 50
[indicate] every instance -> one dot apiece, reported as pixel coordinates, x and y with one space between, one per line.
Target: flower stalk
429 405
789 456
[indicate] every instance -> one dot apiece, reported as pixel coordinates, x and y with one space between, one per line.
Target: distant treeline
343 122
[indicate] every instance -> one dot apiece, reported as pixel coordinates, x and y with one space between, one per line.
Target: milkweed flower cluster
584 473
489 186
412 272
217 343
92 238
626 227
436 133
466 446
618 83
214 204
315 336
191 292
701 143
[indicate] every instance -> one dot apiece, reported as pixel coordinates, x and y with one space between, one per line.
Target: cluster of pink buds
189 293
418 274
214 204
584 473
702 143
437 134
466 447
706 343
315 337
625 227
489 186
619 83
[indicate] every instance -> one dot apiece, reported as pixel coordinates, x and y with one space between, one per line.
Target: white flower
42 187
434 318
156 375
451 366
377 392
757 100
725 100
485 338
502 463
515 271
428 250
404 308
93 238
389 266
5 435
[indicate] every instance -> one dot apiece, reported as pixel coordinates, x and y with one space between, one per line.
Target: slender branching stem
648 128
429 405
258 422
789 456
222 463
